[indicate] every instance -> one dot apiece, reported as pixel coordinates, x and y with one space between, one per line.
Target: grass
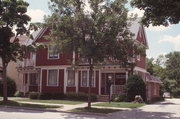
68 102
95 110
17 104
120 104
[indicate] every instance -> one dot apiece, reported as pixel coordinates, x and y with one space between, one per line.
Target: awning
150 78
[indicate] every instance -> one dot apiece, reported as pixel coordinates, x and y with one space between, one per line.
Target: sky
161 40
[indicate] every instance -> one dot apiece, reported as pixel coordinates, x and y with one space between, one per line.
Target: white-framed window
71 78
85 78
33 78
53 52
138 57
52 77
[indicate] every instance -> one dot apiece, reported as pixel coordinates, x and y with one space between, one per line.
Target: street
169 109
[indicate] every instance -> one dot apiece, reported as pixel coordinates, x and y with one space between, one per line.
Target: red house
45 71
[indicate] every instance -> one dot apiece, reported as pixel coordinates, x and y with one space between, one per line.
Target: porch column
76 80
126 76
65 80
100 82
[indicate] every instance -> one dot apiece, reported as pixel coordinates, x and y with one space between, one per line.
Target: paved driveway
170 109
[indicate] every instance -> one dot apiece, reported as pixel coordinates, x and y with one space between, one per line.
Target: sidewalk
66 107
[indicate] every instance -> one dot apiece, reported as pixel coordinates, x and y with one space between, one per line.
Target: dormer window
53 52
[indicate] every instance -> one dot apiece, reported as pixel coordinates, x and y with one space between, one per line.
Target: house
46 71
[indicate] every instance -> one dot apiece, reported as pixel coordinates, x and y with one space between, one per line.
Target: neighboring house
12 66
46 71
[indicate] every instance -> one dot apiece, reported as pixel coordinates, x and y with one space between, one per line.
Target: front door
105 87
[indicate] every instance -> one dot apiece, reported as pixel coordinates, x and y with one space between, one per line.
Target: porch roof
151 78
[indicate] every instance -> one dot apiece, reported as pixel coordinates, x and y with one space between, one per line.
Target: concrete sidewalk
66 107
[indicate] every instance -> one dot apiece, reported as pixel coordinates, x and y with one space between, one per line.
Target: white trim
54 67
138 57
65 80
140 69
126 76
94 71
58 55
48 78
99 82
77 80
41 80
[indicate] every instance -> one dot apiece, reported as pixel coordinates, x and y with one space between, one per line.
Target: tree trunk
4 83
90 81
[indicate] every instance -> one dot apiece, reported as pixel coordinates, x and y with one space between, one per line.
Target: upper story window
53 52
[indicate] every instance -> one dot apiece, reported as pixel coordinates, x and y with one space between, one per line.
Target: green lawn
17 104
120 104
95 110
69 102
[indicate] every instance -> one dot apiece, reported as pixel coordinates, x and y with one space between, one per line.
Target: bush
176 92
11 87
47 96
33 95
135 86
118 98
80 96
19 94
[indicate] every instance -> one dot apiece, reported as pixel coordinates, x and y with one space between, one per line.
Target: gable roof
135 28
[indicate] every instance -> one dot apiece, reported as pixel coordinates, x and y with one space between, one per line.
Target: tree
159 12
12 16
135 86
173 67
95 34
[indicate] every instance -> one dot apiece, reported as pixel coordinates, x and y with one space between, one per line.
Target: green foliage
11 87
33 95
161 12
80 96
47 96
19 94
135 86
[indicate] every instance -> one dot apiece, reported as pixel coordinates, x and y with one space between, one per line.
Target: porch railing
117 89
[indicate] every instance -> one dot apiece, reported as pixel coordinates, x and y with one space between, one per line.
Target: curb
49 110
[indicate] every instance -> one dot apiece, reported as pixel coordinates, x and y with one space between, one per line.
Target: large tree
93 29
12 17
159 12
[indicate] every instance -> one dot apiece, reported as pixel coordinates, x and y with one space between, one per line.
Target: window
52 52
84 79
33 78
93 80
138 57
53 77
71 78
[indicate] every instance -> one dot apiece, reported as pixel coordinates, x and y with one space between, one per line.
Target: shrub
11 87
80 96
19 94
135 86
33 95
46 96
118 98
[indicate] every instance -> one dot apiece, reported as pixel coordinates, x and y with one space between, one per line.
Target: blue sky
161 40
